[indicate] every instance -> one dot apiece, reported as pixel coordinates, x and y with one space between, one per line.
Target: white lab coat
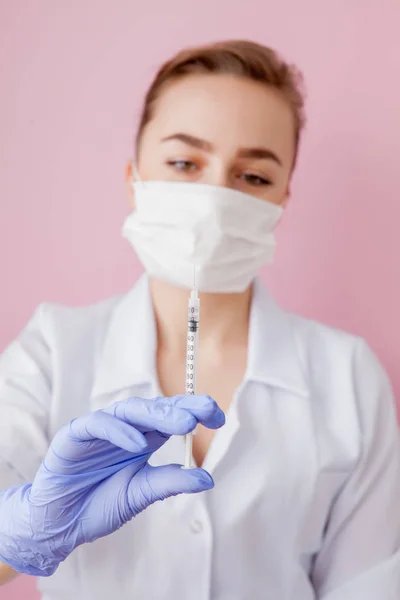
307 468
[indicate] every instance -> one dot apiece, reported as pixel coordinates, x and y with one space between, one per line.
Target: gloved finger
157 483
100 425
204 408
164 414
155 440
93 455
157 414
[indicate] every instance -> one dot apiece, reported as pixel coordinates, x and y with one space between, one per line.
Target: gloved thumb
158 483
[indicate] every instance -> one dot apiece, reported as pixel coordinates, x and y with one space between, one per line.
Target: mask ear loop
135 171
136 175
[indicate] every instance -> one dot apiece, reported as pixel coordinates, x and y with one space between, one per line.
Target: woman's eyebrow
259 153
195 142
190 140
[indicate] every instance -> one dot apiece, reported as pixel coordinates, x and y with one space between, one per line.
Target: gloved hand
96 477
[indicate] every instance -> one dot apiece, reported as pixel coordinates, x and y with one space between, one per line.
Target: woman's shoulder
58 314
322 337
338 361
311 338
55 321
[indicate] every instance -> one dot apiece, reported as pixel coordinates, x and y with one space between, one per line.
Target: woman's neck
224 318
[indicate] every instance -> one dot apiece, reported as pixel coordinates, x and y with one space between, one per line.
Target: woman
307 465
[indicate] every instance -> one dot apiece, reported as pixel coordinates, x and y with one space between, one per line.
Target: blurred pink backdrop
72 78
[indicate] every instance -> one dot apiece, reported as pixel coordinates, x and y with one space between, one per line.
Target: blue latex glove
96 477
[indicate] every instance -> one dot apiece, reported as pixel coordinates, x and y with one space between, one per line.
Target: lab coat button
196 526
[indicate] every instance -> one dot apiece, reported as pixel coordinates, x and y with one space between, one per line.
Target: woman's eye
255 180
182 165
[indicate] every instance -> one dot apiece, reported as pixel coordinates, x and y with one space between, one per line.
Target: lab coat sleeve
25 391
360 556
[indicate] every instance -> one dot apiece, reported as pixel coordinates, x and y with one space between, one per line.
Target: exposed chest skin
219 378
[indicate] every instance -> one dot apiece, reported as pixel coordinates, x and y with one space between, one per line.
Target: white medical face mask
226 234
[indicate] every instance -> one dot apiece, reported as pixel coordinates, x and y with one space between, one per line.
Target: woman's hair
237 57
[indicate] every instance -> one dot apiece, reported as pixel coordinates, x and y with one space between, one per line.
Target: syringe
191 359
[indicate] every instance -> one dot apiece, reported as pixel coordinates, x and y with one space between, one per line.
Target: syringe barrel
191 363
191 348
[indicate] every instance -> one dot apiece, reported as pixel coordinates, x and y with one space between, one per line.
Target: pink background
72 77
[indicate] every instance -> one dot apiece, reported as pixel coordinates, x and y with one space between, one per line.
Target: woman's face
220 130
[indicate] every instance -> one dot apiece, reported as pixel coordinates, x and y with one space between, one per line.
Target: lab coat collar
128 358
273 358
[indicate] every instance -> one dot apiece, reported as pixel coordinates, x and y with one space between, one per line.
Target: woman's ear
129 179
